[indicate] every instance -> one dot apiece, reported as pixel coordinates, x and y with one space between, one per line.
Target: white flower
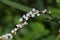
19 26
30 12
25 17
33 9
12 31
32 15
38 14
5 36
44 11
8 35
25 23
37 11
27 14
15 29
21 19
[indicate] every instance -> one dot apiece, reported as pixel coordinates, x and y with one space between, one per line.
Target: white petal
6 36
21 19
25 23
33 9
38 14
45 10
15 29
19 26
12 31
27 14
10 35
32 15
30 12
25 17
37 11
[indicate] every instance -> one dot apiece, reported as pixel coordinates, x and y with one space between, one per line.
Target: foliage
39 28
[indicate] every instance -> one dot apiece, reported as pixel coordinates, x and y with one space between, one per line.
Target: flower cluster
23 21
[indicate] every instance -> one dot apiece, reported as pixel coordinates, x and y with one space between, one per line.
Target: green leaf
37 30
39 4
54 11
16 5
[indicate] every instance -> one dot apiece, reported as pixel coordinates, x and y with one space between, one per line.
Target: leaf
16 5
51 37
54 11
37 30
39 4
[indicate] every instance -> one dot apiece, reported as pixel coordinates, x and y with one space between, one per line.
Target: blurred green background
39 28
